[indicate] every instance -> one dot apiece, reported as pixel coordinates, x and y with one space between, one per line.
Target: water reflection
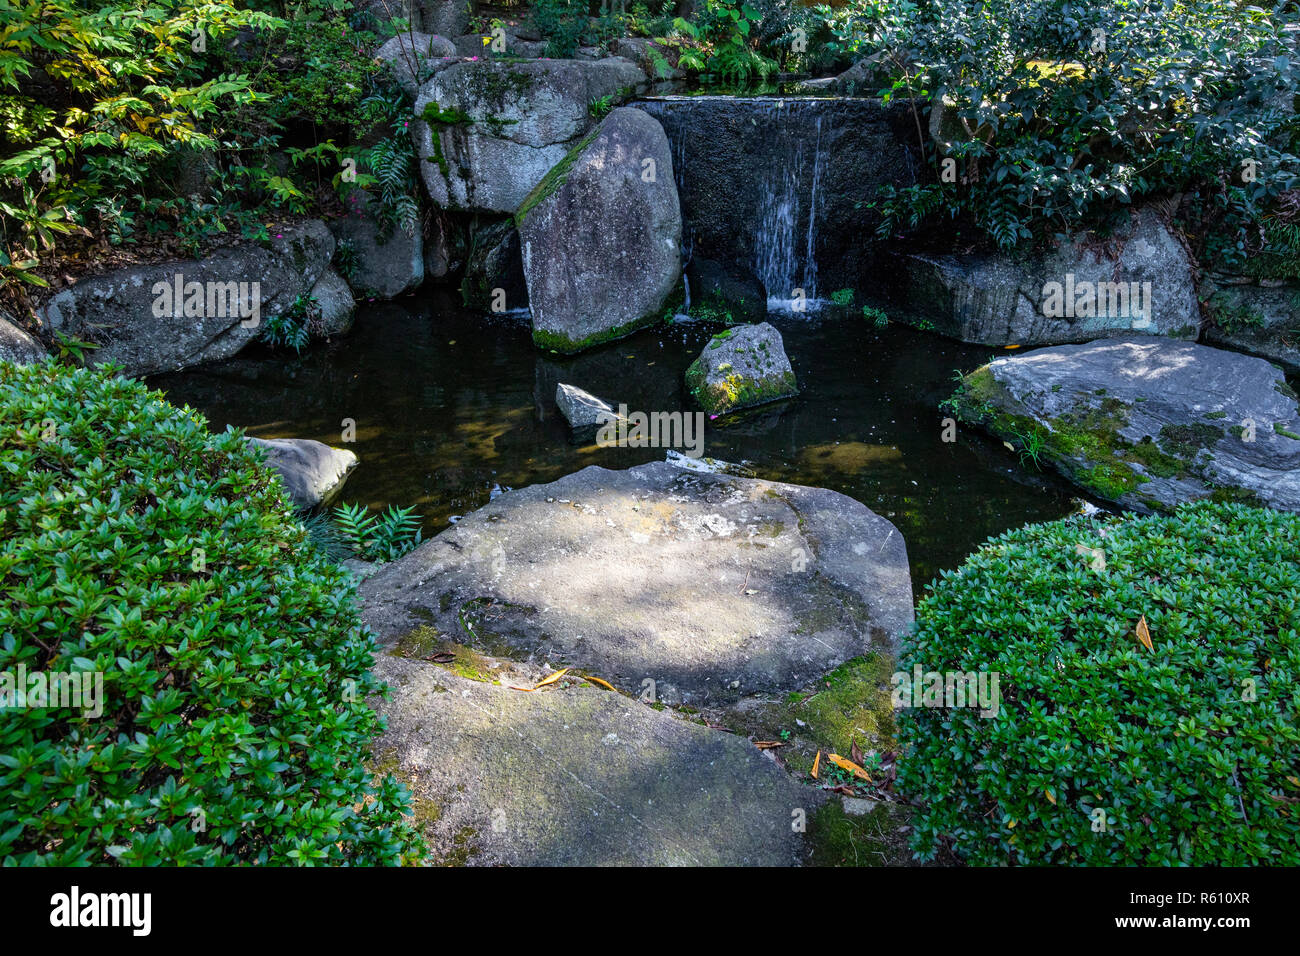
450 404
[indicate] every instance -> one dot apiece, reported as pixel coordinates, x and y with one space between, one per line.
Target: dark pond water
452 407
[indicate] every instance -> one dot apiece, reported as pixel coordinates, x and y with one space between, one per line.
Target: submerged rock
1140 282
690 587
313 473
602 236
741 367
16 344
133 316
578 776
487 131
1147 422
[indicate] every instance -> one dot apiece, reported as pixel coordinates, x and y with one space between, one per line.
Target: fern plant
383 537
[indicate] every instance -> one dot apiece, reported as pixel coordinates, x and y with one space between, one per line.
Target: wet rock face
127 314
1152 422
601 236
695 588
1140 282
741 367
578 776
487 131
747 170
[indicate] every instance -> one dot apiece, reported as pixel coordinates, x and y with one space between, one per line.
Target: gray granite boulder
701 588
574 775
17 345
1262 320
385 263
602 235
414 57
740 367
139 321
334 299
1139 282
487 131
1147 422
584 412
313 473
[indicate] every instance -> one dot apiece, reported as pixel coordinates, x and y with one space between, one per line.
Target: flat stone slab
579 776
1175 421
700 588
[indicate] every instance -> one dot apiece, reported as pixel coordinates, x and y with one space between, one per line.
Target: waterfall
782 261
779 185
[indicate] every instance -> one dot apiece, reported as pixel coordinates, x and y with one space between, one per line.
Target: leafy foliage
235 668
292 328
1059 112
383 537
1105 752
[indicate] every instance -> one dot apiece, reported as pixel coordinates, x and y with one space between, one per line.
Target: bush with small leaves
1104 751
138 546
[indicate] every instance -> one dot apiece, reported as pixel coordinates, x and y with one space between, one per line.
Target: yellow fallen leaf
1144 633
768 744
1012 346
848 765
552 678
816 762
1050 797
598 682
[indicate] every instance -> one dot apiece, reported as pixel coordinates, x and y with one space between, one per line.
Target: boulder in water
741 367
313 473
602 236
1147 422
704 588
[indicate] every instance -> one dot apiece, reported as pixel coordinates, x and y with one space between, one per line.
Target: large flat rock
711 586
579 776
1150 422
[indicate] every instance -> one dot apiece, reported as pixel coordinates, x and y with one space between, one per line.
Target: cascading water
785 243
771 171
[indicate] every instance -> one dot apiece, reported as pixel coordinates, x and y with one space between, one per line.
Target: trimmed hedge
1105 752
234 722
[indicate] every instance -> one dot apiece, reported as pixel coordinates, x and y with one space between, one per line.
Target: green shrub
1190 751
235 668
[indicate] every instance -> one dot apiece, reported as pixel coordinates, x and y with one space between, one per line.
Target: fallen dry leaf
816 763
848 765
855 752
551 679
441 658
1144 633
768 744
598 682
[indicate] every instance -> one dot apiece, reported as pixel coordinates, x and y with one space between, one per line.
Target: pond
453 407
